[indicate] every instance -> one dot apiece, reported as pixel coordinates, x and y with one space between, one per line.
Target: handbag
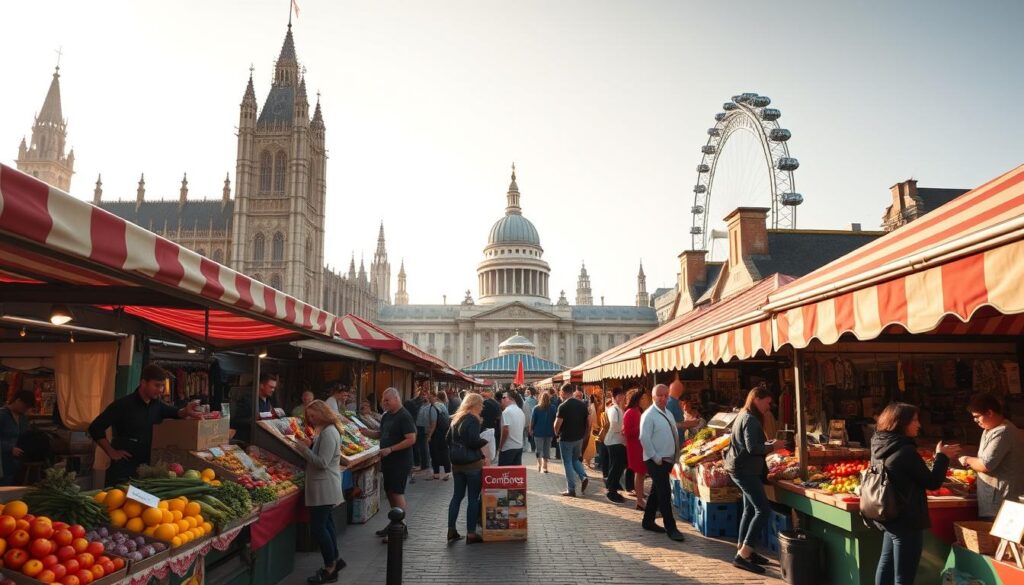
879 500
458 452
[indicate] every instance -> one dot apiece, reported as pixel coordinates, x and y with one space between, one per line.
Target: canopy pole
373 385
255 395
801 419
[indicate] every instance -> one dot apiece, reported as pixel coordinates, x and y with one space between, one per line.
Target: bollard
396 537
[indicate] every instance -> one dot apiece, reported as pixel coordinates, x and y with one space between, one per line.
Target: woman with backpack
438 440
464 445
894 448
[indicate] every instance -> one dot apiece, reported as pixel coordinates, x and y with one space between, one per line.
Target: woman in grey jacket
323 486
744 460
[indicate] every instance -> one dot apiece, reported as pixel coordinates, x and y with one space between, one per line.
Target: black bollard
396 536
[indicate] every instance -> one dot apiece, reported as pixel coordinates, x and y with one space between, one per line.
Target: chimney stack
748 233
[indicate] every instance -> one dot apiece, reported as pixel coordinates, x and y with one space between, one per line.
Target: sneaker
653 528
758 559
747 565
473 538
453 535
446 477
616 497
568 494
677 536
583 485
322 576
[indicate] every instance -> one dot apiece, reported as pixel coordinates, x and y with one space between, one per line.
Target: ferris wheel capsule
697 209
709 149
792 199
787 163
746 97
696 230
703 168
770 114
700 189
779 135
720 116
729 106
760 101
714 132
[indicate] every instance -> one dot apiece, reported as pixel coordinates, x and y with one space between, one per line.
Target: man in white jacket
660 441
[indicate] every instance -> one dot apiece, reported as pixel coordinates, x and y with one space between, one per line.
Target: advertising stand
503 503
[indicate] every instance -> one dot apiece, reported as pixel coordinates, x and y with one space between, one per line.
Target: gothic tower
380 270
642 298
584 296
44 158
280 184
402 296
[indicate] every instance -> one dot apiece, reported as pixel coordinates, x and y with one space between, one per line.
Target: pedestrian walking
542 429
744 460
529 403
323 486
513 428
615 445
464 445
397 435
556 401
438 438
426 419
599 438
453 401
572 425
893 445
660 441
634 449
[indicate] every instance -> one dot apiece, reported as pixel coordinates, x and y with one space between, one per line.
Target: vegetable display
58 495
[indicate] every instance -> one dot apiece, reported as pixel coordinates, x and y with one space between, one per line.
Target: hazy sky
602 105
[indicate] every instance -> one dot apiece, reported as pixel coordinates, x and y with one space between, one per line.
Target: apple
95 548
66 552
72 566
63 536
80 544
18 539
77 530
7 525
15 558
40 548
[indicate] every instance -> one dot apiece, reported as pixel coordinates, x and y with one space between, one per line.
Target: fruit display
961 480
713 475
176 521
58 495
844 469
51 552
298 428
123 544
707 450
285 478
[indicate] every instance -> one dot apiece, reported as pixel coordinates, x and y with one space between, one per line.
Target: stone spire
97 193
183 192
140 193
52 112
642 298
380 270
352 267
318 117
513 207
286 73
584 294
227 188
362 272
44 157
562 301
402 296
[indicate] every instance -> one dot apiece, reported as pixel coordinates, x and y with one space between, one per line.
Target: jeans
602 458
554 443
543 450
570 451
466 481
422 450
529 439
756 508
901 554
510 457
616 464
321 524
630 480
660 499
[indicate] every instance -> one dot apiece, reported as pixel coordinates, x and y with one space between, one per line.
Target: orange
150 532
114 499
164 505
207 527
132 508
16 509
152 516
166 532
135 525
191 522
176 541
175 505
192 509
118 518
167 516
99 497
183 526
208 474
177 515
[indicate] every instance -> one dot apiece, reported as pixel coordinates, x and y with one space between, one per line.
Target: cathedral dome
513 229
516 344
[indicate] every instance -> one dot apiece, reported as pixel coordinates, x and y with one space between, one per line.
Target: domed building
502 369
515 311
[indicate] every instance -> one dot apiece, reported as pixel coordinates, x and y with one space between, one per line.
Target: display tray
21 579
247 519
853 504
134 567
271 437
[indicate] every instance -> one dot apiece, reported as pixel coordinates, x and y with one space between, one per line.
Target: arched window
309 288
275 282
265 171
218 256
279 172
309 250
277 251
257 248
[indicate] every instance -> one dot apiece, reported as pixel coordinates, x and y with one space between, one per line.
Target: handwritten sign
144 498
1009 524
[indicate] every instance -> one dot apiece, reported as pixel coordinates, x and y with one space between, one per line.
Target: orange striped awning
964 256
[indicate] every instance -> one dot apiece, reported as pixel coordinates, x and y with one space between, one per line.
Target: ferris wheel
749 114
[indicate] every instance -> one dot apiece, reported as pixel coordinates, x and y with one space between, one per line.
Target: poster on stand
503 504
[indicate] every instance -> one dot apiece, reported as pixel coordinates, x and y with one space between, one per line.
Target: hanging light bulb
23 332
71 338
191 349
60 315
262 352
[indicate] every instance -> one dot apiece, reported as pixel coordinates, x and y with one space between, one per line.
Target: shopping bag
490 451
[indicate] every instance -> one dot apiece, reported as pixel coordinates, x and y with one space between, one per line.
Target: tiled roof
195 213
509 363
935 198
278 109
800 252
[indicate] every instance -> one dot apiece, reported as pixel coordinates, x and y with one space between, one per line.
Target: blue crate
715 519
694 501
771 543
677 494
780 522
686 507
347 481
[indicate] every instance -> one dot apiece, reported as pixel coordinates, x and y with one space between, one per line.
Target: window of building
257 248
218 256
277 249
597 339
275 282
430 339
611 340
309 288
279 172
447 339
201 252
579 340
415 338
309 249
265 171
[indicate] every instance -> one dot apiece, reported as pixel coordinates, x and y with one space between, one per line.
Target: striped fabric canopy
356 330
49 237
962 257
507 364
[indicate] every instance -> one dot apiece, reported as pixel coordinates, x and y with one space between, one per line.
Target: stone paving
583 540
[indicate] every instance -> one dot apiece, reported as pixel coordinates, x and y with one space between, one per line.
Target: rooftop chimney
855 227
748 233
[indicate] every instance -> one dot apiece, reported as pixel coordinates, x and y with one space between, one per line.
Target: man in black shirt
491 412
397 435
132 418
242 415
572 423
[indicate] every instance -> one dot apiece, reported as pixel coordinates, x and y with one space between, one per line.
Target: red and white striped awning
625 361
49 237
962 257
356 330
733 328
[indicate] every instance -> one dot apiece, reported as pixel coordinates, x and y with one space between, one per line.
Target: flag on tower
520 375
295 7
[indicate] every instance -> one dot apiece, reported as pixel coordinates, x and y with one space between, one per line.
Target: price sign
217 451
1009 524
144 498
246 461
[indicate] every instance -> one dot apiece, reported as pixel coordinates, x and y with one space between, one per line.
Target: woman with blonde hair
464 444
323 485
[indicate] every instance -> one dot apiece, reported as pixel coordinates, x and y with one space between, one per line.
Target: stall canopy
55 248
964 259
732 328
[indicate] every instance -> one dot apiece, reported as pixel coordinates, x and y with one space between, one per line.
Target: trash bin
800 557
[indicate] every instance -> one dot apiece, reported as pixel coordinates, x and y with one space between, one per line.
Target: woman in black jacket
893 445
467 464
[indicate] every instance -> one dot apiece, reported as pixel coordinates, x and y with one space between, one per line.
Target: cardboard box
367 480
364 508
191 434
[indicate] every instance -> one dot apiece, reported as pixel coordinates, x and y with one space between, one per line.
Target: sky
602 105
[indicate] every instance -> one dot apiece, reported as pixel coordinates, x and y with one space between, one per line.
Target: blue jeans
422 447
466 481
570 452
756 508
901 554
321 524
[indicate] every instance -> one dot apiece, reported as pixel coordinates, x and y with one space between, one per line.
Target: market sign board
503 503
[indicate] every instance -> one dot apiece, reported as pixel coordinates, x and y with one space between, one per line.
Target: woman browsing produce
323 486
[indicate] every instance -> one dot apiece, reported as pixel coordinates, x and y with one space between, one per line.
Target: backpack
443 422
879 500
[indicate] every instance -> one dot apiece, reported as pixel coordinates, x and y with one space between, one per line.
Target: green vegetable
263 495
59 496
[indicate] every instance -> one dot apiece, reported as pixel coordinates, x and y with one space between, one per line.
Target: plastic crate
694 502
770 542
677 494
686 507
715 519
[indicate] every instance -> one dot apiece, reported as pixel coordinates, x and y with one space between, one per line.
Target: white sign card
1009 524
144 498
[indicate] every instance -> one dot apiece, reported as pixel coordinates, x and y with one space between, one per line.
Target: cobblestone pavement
582 540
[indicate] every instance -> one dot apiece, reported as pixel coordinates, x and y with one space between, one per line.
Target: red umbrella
520 378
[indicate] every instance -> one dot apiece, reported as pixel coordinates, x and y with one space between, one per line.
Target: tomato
84 576
72 566
40 547
22 524
95 548
60 525
3 549
66 552
118 563
63 537
80 544
98 572
32 567
70 580
28 518
77 530
86 560
46 576
7 525
15 558
108 566
59 571
18 539
50 560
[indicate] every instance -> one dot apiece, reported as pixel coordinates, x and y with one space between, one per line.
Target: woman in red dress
634 450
